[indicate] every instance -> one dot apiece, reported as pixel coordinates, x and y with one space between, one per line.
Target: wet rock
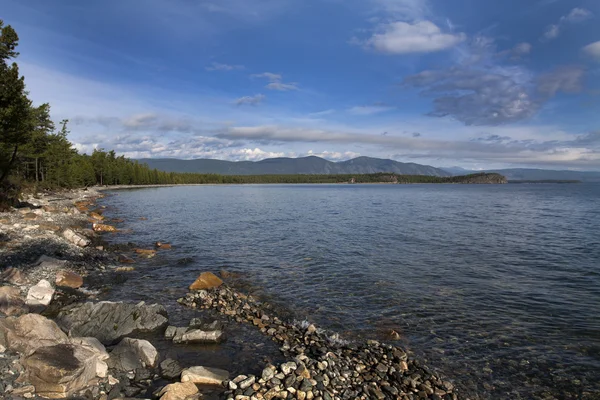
40 294
29 332
125 259
69 279
13 276
76 238
204 375
206 280
170 369
131 354
109 321
61 370
103 228
11 302
162 245
96 216
148 253
124 269
178 391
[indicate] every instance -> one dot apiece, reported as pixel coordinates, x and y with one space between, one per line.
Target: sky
469 83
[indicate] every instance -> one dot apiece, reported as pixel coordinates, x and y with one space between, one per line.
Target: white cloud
334 155
368 110
417 37
223 67
276 82
575 16
522 49
250 100
322 113
252 154
593 50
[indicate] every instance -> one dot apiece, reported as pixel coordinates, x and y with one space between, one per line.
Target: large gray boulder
109 322
131 354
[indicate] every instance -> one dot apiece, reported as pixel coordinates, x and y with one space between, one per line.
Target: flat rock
29 332
199 336
11 302
68 279
178 391
109 321
40 294
206 280
61 370
131 354
204 375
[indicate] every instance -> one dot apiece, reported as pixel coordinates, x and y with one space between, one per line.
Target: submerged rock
109 321
204 375
206 280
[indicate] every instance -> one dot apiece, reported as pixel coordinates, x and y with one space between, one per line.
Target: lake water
496 287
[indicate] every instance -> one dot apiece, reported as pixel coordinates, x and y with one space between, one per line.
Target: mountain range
291 166
360 165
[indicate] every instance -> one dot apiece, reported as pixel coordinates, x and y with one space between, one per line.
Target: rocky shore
57 340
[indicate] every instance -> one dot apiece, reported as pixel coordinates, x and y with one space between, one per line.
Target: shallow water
496 287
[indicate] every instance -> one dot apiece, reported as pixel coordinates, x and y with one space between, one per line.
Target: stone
170 332
13 276
131 354
69 279
178 391
170 369
124 269
103 228
145 252
204 375
40 294
11 302
110 321
199 336
125 259
163 245
288 367
49 227
94 345
29 332
61 370
96 216
246 383
268 373
30 216
206 280
76 238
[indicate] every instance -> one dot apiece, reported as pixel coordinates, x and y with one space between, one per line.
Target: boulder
170 369
76 238
13 276
103 228
29 332
68 279
131 354
40 294
11 302
178 391
59 371
199 336
206 280
109 321
94 345
204 375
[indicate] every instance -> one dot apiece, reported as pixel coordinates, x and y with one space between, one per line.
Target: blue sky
471 83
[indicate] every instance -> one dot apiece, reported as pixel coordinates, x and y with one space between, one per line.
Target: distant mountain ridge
292 166
532 174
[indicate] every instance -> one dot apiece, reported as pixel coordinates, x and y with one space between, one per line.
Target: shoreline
325 358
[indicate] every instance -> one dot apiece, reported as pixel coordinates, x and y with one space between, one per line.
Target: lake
497 287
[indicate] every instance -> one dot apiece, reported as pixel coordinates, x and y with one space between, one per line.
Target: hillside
291 166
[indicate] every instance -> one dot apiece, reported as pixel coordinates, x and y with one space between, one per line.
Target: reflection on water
497 287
